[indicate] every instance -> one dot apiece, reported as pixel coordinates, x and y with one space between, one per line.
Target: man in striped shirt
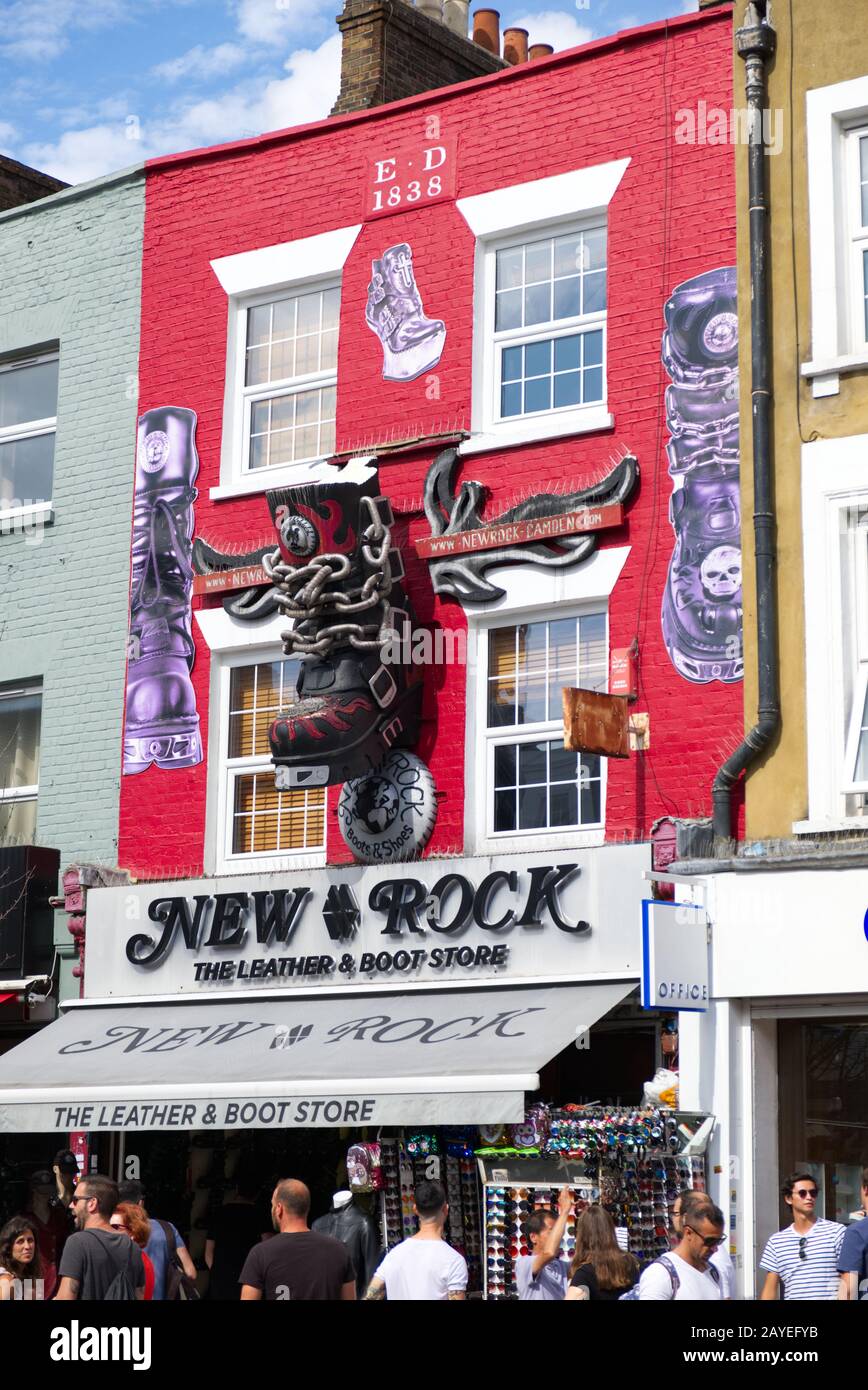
802 1260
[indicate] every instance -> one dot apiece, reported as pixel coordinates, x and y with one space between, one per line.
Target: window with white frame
533 785
547 316
20 721
853 526
289 343
260 820
856 176
28 423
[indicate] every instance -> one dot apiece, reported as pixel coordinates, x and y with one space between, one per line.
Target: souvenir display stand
634 1162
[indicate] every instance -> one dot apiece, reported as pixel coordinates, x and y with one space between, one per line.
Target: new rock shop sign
438 922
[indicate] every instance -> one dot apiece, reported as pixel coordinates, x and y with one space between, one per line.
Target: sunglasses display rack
506 1211
465 1224
402 1171
640 1194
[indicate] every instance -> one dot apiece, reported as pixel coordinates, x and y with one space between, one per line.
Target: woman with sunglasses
802 1260
129 1219
600 1269
20 1264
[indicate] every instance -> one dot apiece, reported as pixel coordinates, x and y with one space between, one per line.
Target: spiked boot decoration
412 344
161 724
340 580
702 602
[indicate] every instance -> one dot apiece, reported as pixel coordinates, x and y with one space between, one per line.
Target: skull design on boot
702 613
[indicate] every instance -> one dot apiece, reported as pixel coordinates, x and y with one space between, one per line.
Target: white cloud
307 93
8 133
270 21
557 27
37 31
200 64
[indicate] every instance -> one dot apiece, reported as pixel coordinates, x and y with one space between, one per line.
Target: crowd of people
89 1238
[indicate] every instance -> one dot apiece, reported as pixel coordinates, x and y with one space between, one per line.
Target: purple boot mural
162 725
412 344
702 603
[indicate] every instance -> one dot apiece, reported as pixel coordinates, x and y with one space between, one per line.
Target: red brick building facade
563 147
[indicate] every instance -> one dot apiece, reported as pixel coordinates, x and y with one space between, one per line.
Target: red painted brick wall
672 217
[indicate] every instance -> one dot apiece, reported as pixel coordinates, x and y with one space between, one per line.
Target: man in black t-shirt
297 1263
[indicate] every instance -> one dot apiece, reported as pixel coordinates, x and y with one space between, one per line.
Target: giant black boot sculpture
162 725
339 578
702 602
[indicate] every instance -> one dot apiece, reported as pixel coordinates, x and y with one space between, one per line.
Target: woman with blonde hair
600 1269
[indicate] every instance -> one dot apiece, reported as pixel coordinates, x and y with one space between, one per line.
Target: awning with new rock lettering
444 1057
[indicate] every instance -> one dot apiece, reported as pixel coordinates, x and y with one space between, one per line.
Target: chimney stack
515 46
394 49
486 30
540 50
456 16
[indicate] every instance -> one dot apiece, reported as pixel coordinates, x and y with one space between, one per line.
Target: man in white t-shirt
423 1268
686 1273
721 1260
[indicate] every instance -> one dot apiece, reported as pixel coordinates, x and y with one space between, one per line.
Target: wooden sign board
224 581
498 537
596 723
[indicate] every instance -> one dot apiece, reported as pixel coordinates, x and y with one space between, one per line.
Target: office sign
674 957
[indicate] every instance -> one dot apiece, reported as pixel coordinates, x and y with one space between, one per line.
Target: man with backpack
686 1273
99 1263
174 1270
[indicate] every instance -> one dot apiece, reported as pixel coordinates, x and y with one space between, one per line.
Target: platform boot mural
412 344
339 578
702 601
161 722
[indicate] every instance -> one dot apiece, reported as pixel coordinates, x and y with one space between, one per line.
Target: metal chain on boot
307 594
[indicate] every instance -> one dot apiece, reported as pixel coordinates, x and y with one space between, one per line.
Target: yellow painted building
811 778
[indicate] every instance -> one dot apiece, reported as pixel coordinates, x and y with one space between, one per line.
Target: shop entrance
823 1108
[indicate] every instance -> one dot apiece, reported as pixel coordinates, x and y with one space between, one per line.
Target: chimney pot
486 30
456 16
540 50
432 8
515 46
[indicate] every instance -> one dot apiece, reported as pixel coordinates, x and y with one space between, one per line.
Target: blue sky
88 86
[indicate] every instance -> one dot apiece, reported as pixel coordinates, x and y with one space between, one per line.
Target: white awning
445 1057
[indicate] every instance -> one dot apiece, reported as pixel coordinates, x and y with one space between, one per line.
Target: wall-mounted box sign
674 957
411 176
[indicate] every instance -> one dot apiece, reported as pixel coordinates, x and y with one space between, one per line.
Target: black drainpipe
755 44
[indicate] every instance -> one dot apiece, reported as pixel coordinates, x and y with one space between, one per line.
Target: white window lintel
287 264
523 206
